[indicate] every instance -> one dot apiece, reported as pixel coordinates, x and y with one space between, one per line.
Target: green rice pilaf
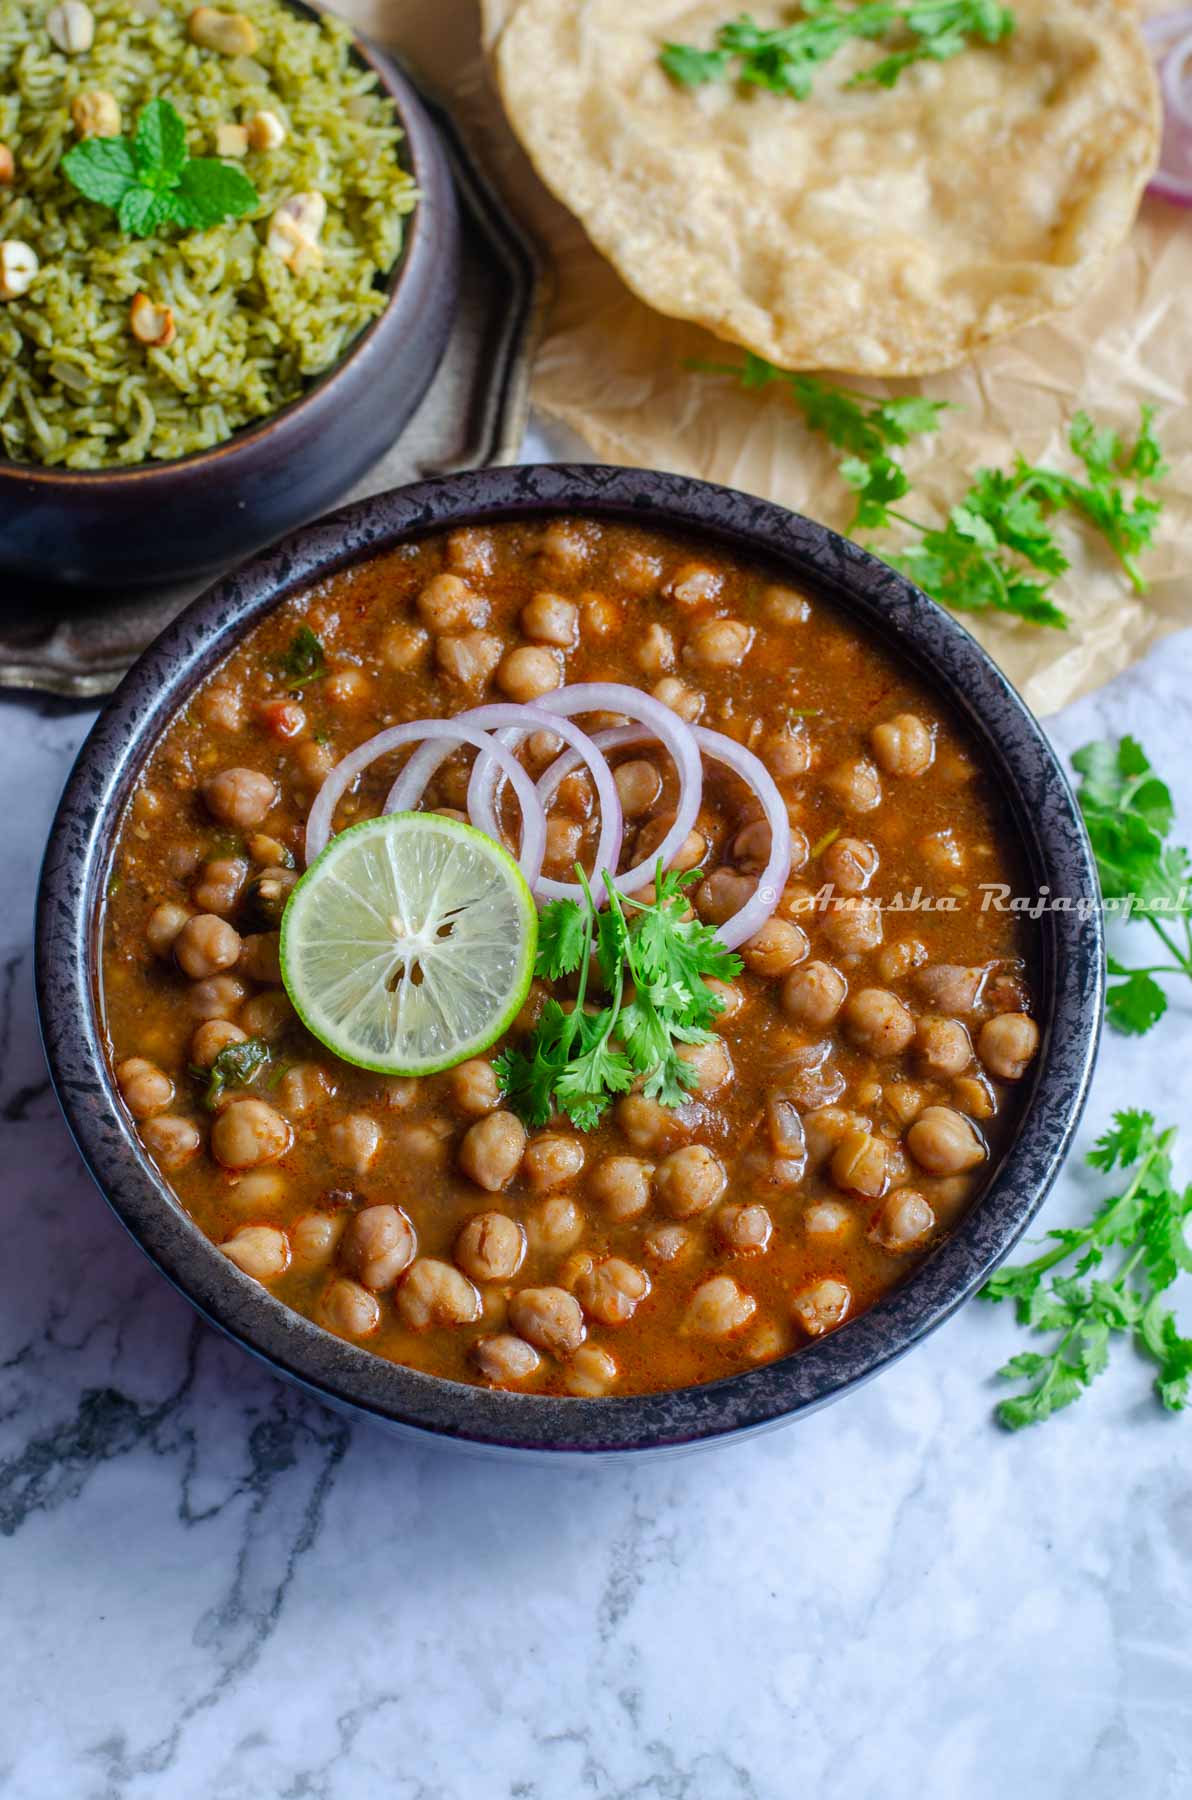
76 387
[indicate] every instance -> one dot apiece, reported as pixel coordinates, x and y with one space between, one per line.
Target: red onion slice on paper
452 732
1169 37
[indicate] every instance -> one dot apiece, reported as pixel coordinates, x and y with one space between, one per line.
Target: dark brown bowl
1054 851
169 521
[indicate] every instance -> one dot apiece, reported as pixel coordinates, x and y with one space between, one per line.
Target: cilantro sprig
1146 1222
236 1066
304 659
783 59
577 1061
150 180
1128 812
996 550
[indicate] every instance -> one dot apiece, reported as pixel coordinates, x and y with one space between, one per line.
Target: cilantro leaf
1147 1224
1136 1004
304 660
235 1066
151 182
691 67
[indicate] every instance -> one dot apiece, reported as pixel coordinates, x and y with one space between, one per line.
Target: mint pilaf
127 332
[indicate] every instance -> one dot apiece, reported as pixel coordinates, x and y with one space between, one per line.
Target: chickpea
878 1022
283 719
784 1128
504 1359
745 1229
555 1225
712 1064
591 1372
787 752
719 644
648 1125
828 1218
853 925
731 998
599 616
426 1142
261 1251
549 619
216 998
527 673
904 1101
448 604
903 745
399 1092
303 1086
220 884
240 797
221 707
144 1088
679 697
249 1132
563 840
898 959
639 786
655 653
1007 1043
314 760
265 1015
170 1141
811 1078
490 1247
944 1142
378 1245
549 1318
621 1185
951 988
723 893
611 1291
205 945
315 1237
468 657
859 1164
814 994
775 949
693 585
850 864
904 1222
689 1181
717 1308
689 855
259 958
259 1189
568 543
474 1087
210 1038
782 606
492 1149
973 1095
942 1046
355 1141
434 1293
552 1160
821 1307
163 925
942 854
346 687
470 551
667 1243
404 647
855 784
824 1127
349 1309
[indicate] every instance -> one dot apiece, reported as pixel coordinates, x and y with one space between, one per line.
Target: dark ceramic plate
166 521
1054 848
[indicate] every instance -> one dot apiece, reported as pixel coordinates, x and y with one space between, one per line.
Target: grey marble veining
209 1586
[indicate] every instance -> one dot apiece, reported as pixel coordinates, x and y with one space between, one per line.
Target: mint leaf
142 212
209 191
102 169
160 144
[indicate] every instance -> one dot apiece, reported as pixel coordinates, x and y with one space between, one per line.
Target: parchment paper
613 371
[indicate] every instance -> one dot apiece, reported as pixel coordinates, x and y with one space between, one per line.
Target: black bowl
168 521
1054 847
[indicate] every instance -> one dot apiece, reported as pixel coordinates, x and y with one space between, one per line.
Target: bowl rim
877 600
404 95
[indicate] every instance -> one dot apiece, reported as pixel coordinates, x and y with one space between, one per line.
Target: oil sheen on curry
860 1078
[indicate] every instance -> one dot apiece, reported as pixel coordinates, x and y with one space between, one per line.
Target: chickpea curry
858 1068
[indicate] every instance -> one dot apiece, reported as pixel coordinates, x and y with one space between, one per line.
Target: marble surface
209 1586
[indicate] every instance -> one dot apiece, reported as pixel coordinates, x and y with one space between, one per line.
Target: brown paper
613 371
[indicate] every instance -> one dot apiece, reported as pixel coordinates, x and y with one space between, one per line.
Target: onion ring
1169 38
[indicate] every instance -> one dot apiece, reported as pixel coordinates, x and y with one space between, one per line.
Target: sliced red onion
451 731
1170 40
676 736
517 722
763 902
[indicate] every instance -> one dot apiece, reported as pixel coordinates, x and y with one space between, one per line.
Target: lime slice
408 945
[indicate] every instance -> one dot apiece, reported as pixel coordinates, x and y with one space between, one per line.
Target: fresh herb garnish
981 559
1146 1221
305 660
235 1066
783 59
577 1061
151 181
1128 812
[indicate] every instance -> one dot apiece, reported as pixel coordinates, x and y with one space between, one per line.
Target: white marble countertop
209 1586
